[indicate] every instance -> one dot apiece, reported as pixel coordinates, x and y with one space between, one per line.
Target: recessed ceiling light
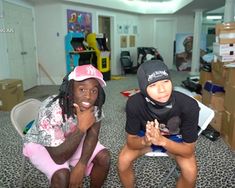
213 17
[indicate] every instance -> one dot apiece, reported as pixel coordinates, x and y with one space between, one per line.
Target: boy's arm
137 142
182 149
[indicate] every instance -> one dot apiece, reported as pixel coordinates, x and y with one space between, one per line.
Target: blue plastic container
213 88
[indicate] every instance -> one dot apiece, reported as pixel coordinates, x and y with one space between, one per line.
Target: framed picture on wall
119 29
132 40
135 29
123 41
126 29
78 21
183 50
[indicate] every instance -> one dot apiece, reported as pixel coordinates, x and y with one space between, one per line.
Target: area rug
128 93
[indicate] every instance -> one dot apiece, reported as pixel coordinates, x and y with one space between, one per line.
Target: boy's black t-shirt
182 118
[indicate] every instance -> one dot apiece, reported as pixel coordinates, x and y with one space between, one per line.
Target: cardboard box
224 27
217 66
228 128
230 76
214 100
226 58
204 77
217 78
225 33
218 72
216 122
227 38
229 102
198 97
217 101
223 49
11 93
206 97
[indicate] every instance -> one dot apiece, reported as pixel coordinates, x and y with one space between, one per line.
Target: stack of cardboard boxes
213 96
228 117
11 93
219 92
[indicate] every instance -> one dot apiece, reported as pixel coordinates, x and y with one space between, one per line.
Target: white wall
120 19
51 47
146 30
4 68
184 24
130 21
50 42
51 28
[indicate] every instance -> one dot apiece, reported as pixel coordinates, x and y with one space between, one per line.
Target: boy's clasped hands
153 134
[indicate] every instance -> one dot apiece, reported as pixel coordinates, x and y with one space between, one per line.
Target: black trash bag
192 86
211 133
206 67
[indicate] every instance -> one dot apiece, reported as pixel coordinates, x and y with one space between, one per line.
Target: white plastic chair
206 114
21 115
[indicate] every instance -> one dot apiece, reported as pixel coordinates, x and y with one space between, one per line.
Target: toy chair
125 53
127 62
206 114
22 114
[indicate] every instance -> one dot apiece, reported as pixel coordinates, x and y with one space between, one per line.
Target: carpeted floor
216 162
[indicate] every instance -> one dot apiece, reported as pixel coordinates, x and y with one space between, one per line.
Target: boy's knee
121 160
189 172
123 156
125 159
188 167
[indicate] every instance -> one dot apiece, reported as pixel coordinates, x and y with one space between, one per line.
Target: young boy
160 112
66 131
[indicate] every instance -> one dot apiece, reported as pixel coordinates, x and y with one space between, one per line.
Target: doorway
106 25
21 46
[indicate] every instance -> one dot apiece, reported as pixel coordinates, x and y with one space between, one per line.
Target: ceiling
156 6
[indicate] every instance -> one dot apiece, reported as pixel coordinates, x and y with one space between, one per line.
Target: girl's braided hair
66 98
